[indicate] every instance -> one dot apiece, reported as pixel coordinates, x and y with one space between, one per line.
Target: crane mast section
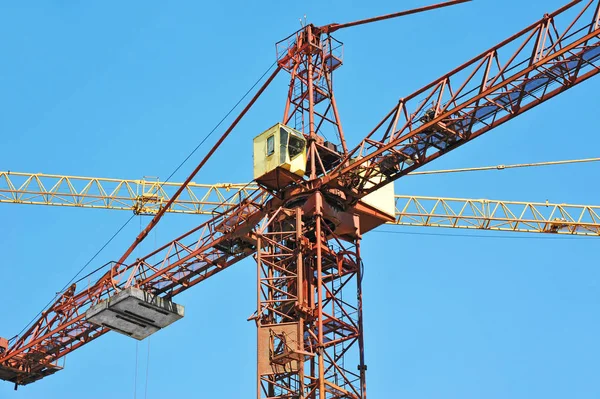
309 307
180 264
545 59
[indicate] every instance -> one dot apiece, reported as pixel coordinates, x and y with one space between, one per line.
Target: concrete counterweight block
135 313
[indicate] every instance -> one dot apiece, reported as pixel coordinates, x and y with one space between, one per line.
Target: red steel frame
311 58
309 326
180 264
545 59
309 316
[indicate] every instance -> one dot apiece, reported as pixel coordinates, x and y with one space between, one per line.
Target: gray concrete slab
135 313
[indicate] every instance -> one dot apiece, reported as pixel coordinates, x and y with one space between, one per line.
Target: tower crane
314 201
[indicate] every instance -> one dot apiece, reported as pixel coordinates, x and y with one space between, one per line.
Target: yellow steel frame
485 214
146 196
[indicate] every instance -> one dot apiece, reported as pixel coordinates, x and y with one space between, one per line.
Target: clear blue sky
126 89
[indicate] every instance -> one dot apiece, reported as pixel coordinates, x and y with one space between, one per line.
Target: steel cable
502 167
132 216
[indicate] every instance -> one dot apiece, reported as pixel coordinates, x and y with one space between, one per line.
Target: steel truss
211 199
309 314
547 58
173 268
143 197
485 214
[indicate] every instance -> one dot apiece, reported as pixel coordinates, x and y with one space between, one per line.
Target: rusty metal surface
308 279
540 62
173 268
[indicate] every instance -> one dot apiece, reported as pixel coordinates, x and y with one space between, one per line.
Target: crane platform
135 313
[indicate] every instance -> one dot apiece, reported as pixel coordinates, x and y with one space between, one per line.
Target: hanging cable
220 122
161 212
502 167
148 349
147 368
136 371
77 274
129 220
137 343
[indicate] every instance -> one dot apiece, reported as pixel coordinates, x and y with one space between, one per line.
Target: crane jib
182 263
474 99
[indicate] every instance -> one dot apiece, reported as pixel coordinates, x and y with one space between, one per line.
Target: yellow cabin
279 156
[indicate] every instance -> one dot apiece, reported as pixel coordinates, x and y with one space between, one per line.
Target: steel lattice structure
484 214
147 197
305 231
143 196
536 64
183 262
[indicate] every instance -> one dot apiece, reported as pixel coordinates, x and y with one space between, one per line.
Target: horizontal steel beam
147 196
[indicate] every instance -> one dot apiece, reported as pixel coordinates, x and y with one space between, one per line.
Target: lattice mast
310 56
309 316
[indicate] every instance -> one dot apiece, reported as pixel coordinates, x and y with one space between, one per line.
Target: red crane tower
316 200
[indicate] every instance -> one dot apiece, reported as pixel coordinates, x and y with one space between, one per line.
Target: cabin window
295 146
270 145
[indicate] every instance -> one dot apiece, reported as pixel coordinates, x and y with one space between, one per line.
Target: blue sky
126 90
